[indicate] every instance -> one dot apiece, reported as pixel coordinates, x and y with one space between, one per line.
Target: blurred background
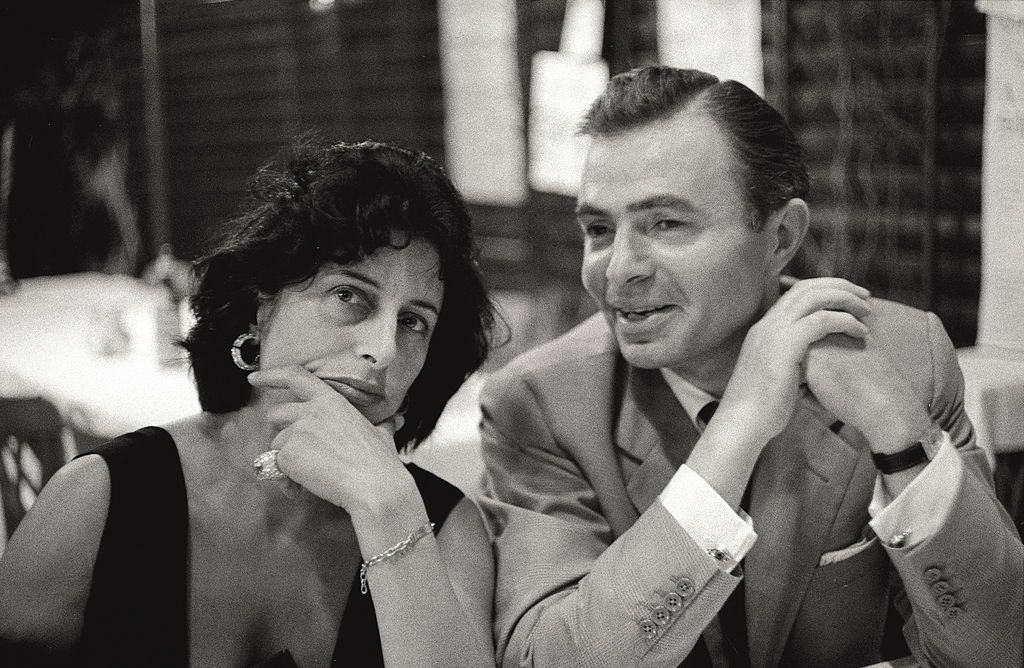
132 125
128 129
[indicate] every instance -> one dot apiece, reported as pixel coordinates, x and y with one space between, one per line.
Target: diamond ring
265 466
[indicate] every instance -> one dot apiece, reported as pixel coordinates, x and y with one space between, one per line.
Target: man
837 496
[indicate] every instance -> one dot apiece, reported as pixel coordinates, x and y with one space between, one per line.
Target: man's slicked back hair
767 157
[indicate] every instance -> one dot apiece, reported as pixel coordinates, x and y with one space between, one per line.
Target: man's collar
689 395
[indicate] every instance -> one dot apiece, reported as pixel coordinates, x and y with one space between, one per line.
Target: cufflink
898 540
725 560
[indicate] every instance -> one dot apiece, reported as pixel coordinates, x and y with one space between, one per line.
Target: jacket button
933 574
685 587
661 615
648 628
674 601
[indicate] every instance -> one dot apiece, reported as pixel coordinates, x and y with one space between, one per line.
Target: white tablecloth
994 396
49 329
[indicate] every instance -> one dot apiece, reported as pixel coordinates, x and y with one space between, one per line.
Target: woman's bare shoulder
46 568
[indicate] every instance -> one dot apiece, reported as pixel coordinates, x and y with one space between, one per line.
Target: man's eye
596 229
668 224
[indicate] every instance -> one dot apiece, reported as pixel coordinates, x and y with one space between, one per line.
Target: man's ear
788 227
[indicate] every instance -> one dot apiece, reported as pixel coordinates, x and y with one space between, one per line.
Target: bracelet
393 551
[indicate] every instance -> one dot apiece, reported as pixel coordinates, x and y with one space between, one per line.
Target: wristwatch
920 452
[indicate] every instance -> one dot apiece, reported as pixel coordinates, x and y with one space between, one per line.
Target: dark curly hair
322 203
768 159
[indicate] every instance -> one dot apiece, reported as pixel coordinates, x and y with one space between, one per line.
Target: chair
1009 479
34 443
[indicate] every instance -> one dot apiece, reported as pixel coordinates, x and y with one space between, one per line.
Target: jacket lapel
653 430
798 485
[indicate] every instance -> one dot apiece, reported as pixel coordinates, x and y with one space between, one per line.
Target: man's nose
377 343
630 260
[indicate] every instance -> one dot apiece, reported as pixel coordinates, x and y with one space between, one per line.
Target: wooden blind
242 79
886 99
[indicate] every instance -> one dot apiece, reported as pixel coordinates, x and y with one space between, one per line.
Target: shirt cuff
923 505
725 535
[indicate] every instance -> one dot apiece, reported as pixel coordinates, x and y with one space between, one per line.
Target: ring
265 466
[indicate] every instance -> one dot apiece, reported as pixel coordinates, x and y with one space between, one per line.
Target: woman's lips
360 393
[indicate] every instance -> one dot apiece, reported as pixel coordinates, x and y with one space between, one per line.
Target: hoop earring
236 352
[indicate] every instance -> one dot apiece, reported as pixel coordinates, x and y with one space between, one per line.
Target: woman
333 323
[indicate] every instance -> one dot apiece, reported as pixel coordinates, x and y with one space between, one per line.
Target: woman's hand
328 447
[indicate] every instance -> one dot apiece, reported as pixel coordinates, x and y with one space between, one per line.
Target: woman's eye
348 295
352 298
415 323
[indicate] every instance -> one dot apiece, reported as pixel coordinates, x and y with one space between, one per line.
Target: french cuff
711 522
924 504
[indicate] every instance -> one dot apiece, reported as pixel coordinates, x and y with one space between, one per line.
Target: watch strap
902 460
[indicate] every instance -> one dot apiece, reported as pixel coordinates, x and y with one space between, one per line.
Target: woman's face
363 328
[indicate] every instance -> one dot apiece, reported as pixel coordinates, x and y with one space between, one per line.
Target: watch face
932 440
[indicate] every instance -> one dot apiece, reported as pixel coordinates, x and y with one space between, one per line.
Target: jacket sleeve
568 592
963 584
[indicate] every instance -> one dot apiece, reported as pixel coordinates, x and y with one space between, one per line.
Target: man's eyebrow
588 210
661 202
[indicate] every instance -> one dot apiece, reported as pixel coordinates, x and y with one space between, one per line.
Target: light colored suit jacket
578 445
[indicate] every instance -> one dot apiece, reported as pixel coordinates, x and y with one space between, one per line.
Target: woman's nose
377 343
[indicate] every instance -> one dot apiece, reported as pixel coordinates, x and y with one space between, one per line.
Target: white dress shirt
902 522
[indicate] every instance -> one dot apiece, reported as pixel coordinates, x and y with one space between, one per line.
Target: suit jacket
578 445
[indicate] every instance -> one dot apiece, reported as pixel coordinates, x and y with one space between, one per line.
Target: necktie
705 414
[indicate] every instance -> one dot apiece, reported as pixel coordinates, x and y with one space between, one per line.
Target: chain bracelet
393 551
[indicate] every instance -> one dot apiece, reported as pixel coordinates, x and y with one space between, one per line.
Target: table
51 328
994 396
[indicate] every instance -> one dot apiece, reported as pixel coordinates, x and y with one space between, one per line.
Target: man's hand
765 383
858 383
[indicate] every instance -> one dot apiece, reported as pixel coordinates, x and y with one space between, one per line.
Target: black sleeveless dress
137 610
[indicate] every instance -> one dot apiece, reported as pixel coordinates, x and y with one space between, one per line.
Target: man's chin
646 354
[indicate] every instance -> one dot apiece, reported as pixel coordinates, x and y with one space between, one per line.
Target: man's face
669 254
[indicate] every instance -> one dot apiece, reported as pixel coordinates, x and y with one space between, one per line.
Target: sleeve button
674 601
685 587
946 600
661 615
933 574
648 628
952 612
941 587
